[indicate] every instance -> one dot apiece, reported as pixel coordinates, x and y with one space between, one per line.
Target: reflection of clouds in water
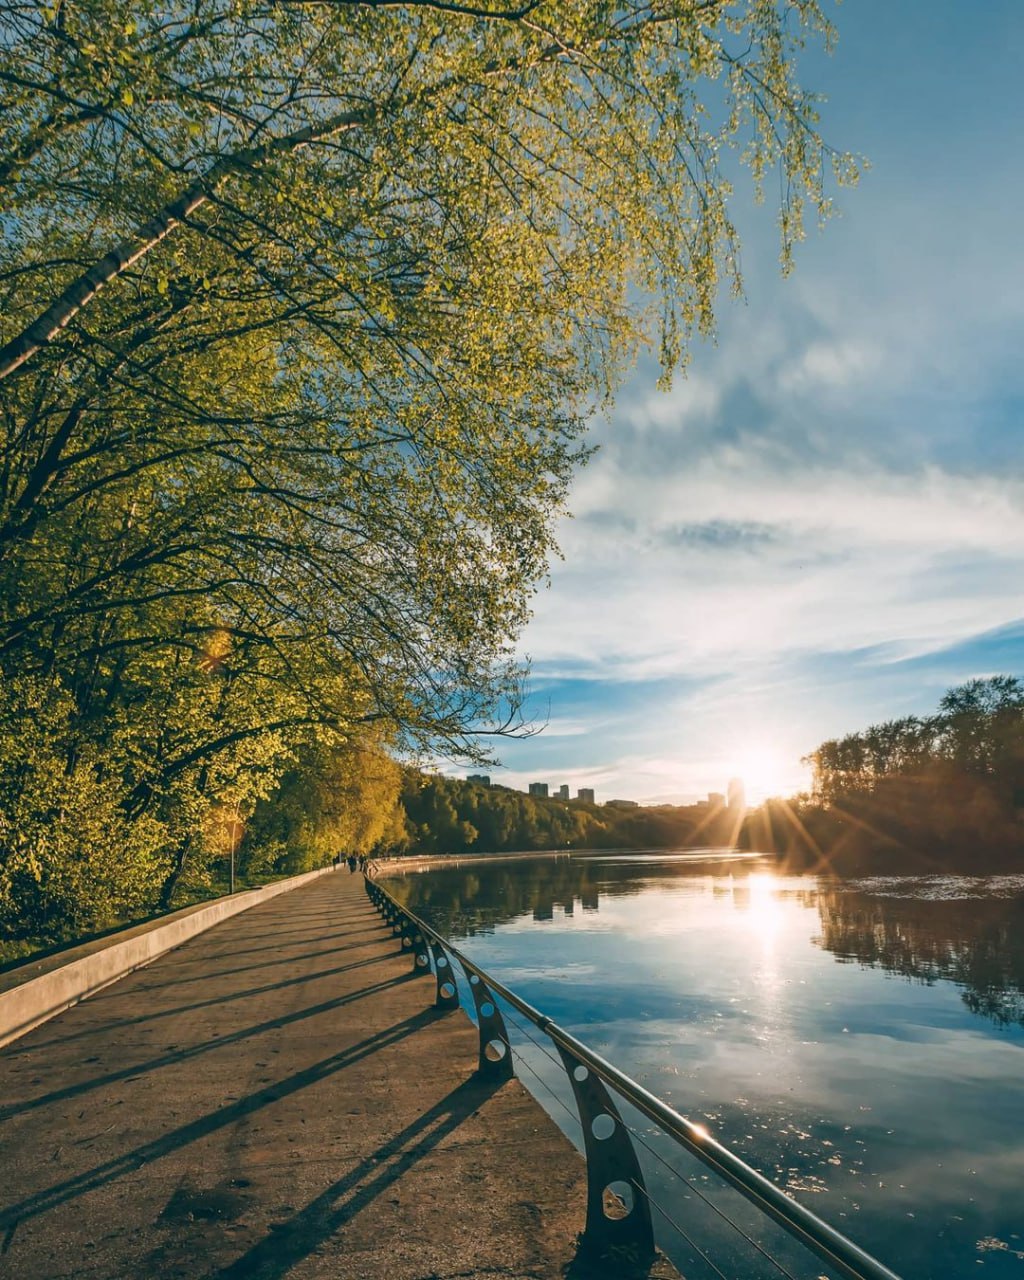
753 902
511 974
997 1174
526 924
884 1104
842 1078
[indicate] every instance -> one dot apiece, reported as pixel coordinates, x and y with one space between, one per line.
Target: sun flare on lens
765 771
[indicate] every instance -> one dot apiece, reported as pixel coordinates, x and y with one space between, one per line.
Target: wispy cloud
738 559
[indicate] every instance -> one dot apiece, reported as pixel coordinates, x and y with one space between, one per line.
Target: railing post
407 931
418 945
618 1211
495 1061
413 940
447 988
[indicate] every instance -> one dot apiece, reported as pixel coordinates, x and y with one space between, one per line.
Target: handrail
829 1244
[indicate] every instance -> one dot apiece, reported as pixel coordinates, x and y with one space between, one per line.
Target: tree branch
81 291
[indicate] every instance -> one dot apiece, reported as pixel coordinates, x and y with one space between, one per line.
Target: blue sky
822 525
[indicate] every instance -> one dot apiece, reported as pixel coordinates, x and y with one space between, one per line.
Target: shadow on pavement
110 1170
176 1056
279 1252
117 1023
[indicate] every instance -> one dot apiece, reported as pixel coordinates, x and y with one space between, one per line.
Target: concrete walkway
278 1097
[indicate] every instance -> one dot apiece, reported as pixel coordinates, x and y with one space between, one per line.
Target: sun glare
765 772
764 910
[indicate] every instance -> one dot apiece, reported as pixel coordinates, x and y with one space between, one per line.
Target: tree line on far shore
447 815
945 790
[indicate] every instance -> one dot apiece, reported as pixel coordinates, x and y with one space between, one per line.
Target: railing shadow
119 1023
196 1050
275 1255
52 1197
330 949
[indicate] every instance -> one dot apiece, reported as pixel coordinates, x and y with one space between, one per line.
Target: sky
821 526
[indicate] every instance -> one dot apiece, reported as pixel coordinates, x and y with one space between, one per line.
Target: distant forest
446 815
945 790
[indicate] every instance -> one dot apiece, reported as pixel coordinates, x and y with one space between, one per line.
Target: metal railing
618 1221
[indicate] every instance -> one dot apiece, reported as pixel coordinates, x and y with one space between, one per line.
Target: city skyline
734 796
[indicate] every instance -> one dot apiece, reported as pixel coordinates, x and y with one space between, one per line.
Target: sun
766 771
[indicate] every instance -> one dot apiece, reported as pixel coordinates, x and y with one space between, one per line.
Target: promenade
277 1097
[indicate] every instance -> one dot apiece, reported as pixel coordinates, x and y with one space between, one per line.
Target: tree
302 310
983 728
355 329
336 798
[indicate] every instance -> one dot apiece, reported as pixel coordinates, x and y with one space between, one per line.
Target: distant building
716 800
586 794
621 804
539 789
737 795
563 792
483 778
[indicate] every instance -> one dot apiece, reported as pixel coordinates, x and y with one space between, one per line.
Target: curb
33 993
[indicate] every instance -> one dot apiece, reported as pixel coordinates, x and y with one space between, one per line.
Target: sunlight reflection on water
861 1042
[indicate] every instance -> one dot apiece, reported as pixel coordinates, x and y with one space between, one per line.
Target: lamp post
236 825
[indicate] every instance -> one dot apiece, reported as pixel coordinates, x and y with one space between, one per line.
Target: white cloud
688 398
557 727
737 559
829 365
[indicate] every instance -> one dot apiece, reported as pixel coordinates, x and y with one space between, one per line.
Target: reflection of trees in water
977 943
470 900
475 898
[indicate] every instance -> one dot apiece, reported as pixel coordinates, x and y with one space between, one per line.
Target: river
860 1042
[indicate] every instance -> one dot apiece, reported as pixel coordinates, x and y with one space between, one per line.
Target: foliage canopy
302 309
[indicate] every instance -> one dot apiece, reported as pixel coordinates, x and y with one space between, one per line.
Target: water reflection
965 930
972 940
861 1042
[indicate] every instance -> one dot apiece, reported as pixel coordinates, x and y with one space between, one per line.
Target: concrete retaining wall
36 991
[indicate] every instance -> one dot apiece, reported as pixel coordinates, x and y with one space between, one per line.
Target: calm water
860 1042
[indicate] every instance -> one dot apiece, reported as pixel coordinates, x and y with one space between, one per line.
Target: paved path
278 1097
